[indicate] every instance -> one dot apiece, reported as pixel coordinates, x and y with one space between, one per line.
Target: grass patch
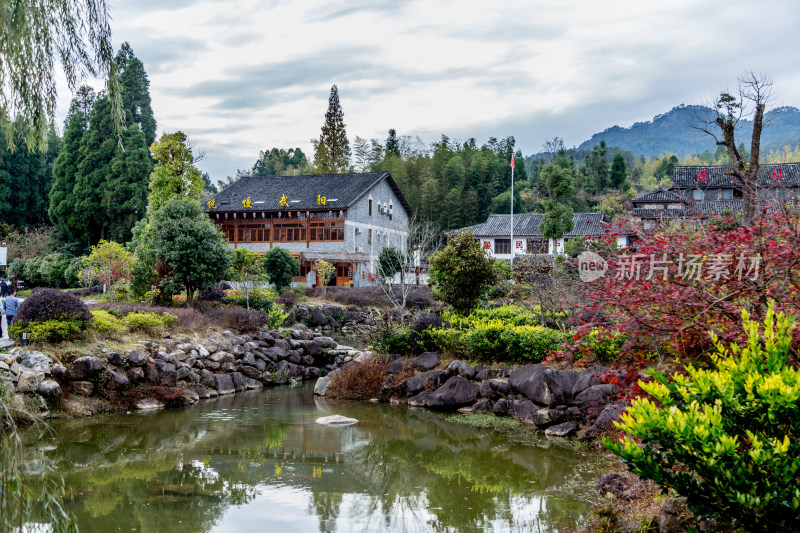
484 421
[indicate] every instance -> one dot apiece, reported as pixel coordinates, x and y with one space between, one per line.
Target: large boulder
551 415
396 365
495 388
117 381
420 399
501 407
322 385
136 358
223 384
50 390
239 381
318 318
590 376
565 429
460 368
524 410
325 342
595 395
27 381
426 361
84 368
32 360
161 373
456 392
430 380
482 406
605 421
544 385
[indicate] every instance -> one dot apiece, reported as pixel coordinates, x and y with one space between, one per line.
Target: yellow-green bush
496 340
151 323
727 438
51 331
106 323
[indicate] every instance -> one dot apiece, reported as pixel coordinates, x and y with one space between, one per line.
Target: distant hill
670 132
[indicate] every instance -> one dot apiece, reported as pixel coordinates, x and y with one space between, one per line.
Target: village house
495 234
345 219
700 192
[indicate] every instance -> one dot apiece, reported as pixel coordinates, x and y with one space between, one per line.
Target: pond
257 461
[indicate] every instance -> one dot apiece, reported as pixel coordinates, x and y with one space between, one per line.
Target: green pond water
257 461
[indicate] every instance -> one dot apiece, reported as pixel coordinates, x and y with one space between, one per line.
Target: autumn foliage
683 281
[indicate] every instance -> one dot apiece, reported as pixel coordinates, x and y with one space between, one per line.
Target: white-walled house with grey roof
345 219
495 234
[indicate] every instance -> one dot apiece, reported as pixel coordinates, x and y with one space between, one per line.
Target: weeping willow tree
27 501
34 36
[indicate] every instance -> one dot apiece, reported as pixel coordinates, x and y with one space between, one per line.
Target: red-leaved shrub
52 304
712 272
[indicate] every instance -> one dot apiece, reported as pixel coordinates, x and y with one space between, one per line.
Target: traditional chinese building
345 219
495 234
702 192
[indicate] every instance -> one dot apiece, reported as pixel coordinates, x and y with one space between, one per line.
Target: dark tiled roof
716 207
265 192
659 196
587 224
769 175
659 213
527 225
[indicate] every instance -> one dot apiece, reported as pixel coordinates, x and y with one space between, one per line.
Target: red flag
512 161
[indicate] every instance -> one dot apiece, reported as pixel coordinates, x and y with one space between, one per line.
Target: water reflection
258 462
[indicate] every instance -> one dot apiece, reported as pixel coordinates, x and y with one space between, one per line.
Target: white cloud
241 76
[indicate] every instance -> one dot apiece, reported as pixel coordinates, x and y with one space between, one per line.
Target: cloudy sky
241 76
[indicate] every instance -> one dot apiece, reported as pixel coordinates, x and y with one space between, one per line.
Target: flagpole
512 212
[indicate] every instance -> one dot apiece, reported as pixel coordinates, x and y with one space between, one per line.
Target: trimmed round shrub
52 304
106 323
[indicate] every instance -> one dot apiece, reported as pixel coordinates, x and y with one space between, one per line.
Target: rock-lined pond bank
170 371
562 403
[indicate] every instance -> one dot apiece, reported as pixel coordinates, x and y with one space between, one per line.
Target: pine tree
332 150
392 143
619 172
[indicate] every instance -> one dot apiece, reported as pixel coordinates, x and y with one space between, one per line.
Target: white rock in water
336 420
148 404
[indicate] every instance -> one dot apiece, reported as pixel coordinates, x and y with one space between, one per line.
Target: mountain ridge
670 132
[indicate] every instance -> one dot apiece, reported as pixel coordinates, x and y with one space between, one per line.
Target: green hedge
51 331
496 340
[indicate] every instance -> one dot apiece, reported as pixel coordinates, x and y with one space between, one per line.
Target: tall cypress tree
332 150
98 146
62 192
136 92
100 187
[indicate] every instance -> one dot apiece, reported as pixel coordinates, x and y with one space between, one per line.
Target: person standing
10 306
3 288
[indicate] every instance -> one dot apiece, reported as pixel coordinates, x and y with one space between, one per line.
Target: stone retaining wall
559 402
180 368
